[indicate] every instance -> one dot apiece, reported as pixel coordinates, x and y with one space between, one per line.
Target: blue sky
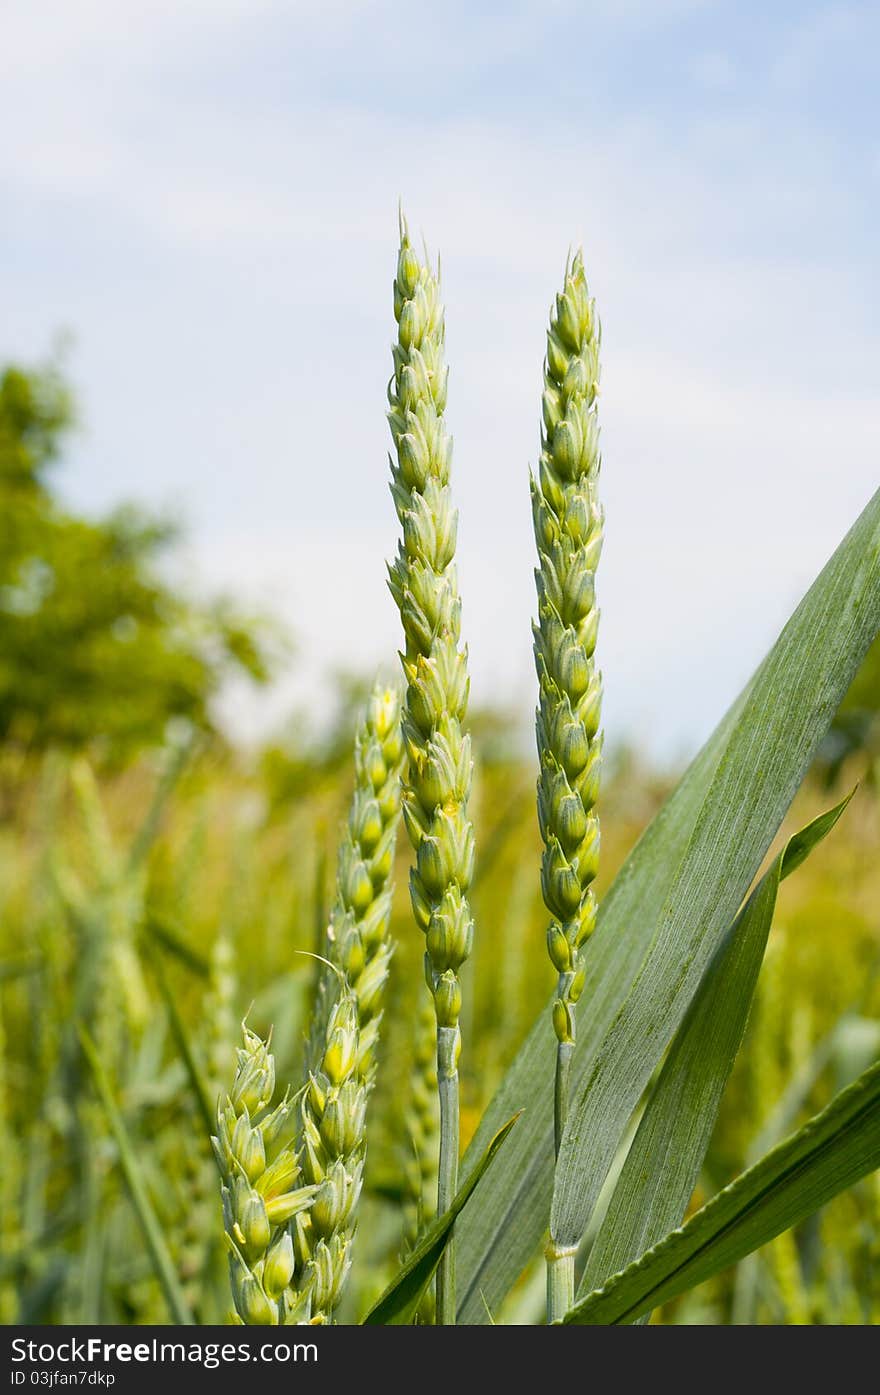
205 193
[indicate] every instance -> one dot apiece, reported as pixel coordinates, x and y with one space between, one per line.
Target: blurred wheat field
119 895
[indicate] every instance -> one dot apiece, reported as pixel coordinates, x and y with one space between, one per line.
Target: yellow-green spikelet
262 1193
333 1115
568 523
423 582
357 937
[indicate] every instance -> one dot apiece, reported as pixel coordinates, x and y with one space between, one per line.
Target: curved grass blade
20 968
155 1240
206 1108
784 718
782 1119
663 1164
498 1235
173 767
400 1301
831 1152
170 936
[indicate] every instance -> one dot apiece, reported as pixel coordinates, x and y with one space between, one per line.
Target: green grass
225 855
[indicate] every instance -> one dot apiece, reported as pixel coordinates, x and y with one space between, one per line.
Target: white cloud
226 264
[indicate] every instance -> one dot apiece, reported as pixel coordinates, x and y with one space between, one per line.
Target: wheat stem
560 1282
564 1051
568 529
448 1042
423 582
419 1176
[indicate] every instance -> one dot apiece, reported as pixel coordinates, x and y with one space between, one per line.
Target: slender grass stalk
198 1240
421 1131
11 1240
568 523
218 1044
111 1001
262 1192
113 909
420 1126
219 1012
150 1225
437 784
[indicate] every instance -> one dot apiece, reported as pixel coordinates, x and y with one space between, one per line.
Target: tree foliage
94 644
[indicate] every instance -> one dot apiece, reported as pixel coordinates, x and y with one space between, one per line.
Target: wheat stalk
219 1012
568 523
421 1140
198 1243
357 940
437 784
341 1050
10 1157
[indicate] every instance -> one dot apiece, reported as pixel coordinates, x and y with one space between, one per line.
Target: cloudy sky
204 192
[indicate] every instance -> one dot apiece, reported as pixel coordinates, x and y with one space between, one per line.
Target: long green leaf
173 766
400 1301
498 1235
772 1131
171 937
663 1164
19 968
158 1250
831 1152
771 746
207 1107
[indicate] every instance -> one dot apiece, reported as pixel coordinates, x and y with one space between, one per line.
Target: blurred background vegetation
156 883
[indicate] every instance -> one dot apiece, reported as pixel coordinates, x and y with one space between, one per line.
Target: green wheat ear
344 1027
358 942
568 522
263 1192
333 1115
437 781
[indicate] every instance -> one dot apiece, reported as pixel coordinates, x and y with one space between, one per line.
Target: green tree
94 645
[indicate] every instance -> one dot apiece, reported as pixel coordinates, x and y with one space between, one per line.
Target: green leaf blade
498 1235
206 1106
785 715
833 1150
157 1247
400 1301
664 1162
